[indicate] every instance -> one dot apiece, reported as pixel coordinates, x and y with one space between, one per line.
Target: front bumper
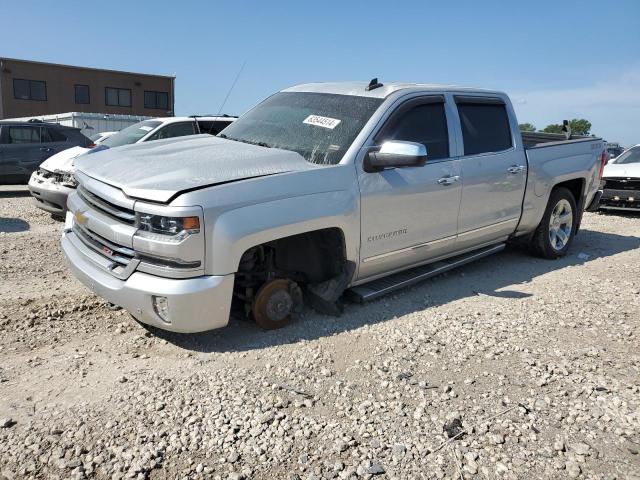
49 196
613 199
194 304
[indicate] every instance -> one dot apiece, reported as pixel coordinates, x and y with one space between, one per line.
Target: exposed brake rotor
277 303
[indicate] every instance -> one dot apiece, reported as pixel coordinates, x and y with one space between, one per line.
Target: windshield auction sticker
324 122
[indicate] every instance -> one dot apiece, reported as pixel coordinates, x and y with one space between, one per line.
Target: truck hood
62 162
621 170
161 169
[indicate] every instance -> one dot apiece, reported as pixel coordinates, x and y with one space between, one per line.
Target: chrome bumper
50 197
194 305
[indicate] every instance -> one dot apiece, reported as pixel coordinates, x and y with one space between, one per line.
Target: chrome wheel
560 225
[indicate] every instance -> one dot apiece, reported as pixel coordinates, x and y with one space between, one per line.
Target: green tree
579 126
527 127
553 128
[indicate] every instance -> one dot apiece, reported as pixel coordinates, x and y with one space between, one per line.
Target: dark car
25 145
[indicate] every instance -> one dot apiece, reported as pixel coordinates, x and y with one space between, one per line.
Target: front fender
235 231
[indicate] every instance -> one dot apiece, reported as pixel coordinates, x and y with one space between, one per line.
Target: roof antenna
232 85
373 84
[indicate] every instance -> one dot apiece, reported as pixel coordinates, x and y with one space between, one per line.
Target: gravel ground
512 367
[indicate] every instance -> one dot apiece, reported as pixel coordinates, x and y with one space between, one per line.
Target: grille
622 184
123 214
116 253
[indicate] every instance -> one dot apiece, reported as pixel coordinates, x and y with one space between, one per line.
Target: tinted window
29 89
117 97
18 135
425 124
82 94
173 130
485 127
158 100
319 126
56 135
212 127
45 136
630 156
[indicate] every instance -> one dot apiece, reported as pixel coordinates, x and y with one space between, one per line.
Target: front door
409 215
494 172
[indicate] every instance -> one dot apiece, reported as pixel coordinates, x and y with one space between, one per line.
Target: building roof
83 68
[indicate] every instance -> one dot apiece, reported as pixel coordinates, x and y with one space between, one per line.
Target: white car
622 182
63 161
51 184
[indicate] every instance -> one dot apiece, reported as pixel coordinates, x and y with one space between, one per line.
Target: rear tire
554 235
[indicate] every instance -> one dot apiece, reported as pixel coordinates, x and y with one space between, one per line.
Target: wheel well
309 257
576 187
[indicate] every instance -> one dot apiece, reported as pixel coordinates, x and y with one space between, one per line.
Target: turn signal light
191 223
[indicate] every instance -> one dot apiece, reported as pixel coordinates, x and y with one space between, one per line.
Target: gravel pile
509 368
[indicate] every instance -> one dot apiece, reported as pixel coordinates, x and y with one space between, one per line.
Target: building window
117 97
82 94
29 89
158 100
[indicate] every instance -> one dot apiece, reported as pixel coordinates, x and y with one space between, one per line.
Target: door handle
515 169
449 180
46 149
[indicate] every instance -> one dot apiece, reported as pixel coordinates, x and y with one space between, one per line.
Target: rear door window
56 135
24 134
212 127
423 123
174 130
485 125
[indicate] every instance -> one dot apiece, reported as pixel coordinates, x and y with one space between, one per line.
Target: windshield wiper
259 144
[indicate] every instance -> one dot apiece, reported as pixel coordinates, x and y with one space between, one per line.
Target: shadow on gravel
13 225
488 276
14 192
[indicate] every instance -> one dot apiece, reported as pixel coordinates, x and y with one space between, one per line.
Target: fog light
161 307
631 199
616 197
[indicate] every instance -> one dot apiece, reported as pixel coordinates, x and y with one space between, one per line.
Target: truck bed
540 139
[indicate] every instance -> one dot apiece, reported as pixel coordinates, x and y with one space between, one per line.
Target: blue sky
557 59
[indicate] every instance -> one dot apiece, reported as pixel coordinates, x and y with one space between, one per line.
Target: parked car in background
25 145
51 184
319 189
622 182
613 150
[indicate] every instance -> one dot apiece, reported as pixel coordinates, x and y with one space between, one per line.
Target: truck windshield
630 156
130 134
319 126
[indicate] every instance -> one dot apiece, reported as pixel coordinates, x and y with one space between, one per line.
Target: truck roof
360 88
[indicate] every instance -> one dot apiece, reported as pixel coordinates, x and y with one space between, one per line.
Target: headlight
68 180
172 229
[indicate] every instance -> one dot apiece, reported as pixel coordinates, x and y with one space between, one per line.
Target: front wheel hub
277 303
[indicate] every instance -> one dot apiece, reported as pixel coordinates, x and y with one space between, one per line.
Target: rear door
493 169
409 215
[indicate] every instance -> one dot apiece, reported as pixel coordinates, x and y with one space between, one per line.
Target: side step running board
382 286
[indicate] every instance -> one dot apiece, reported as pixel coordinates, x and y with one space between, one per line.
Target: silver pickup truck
321 192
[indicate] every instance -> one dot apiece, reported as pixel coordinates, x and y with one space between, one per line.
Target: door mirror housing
395 154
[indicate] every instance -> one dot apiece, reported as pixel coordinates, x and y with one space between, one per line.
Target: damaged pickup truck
321 191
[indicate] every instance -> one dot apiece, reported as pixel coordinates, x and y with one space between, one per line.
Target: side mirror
394 154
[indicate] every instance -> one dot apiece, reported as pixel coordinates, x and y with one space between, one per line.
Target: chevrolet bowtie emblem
80 217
